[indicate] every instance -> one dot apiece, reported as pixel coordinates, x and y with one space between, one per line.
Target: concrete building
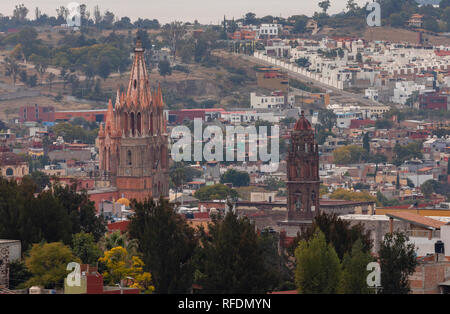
276 100
10 251
268 30
404 90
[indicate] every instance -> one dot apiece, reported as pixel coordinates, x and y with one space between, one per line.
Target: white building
250 116
268 30
275 100
404 90
346 113
372 93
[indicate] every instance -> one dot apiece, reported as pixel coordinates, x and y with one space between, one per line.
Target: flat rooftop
364 217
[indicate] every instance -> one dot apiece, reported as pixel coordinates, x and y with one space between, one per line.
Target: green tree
318 268
427 189
324 5
397 20
354 270
232 258
398 260
383 124
406 152
31 219
300 25
215 192
327 118
40 179
431 24
173 33
338 232
359 58
121 265
104 69
12 69
166 243
274 184
117 238
302 62
366 142
237 178
18 275
349 154
81 210
164 68
351 5
250 18
47 263
20 12
85 248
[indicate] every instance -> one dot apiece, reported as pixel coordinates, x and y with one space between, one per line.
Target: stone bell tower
303 180
134 142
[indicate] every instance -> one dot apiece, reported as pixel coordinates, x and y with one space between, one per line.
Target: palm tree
116 239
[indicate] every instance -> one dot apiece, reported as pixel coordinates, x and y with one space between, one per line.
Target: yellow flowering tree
121 267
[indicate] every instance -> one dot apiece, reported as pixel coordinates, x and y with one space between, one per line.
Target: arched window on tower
139 123
108 160
103 165
9 172
129 158
132 123
298 201
163 157
313 200
151 123
125 123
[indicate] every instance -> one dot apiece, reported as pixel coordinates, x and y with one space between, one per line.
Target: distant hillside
402 35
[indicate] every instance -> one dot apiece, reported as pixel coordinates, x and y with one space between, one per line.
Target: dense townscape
258 155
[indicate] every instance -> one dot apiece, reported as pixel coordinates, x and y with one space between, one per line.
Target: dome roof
302 124
124 201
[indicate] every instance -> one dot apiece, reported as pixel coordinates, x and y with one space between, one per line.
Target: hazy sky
205 11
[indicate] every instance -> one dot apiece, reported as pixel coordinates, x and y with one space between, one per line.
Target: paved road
344 96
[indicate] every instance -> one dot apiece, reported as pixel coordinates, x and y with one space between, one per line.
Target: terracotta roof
201 215
417 220
8 159
442 53
120 225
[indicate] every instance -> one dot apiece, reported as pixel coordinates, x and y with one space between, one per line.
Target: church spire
110 120
117 105
138 86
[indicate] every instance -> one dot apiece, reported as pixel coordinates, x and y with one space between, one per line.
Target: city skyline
205 11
